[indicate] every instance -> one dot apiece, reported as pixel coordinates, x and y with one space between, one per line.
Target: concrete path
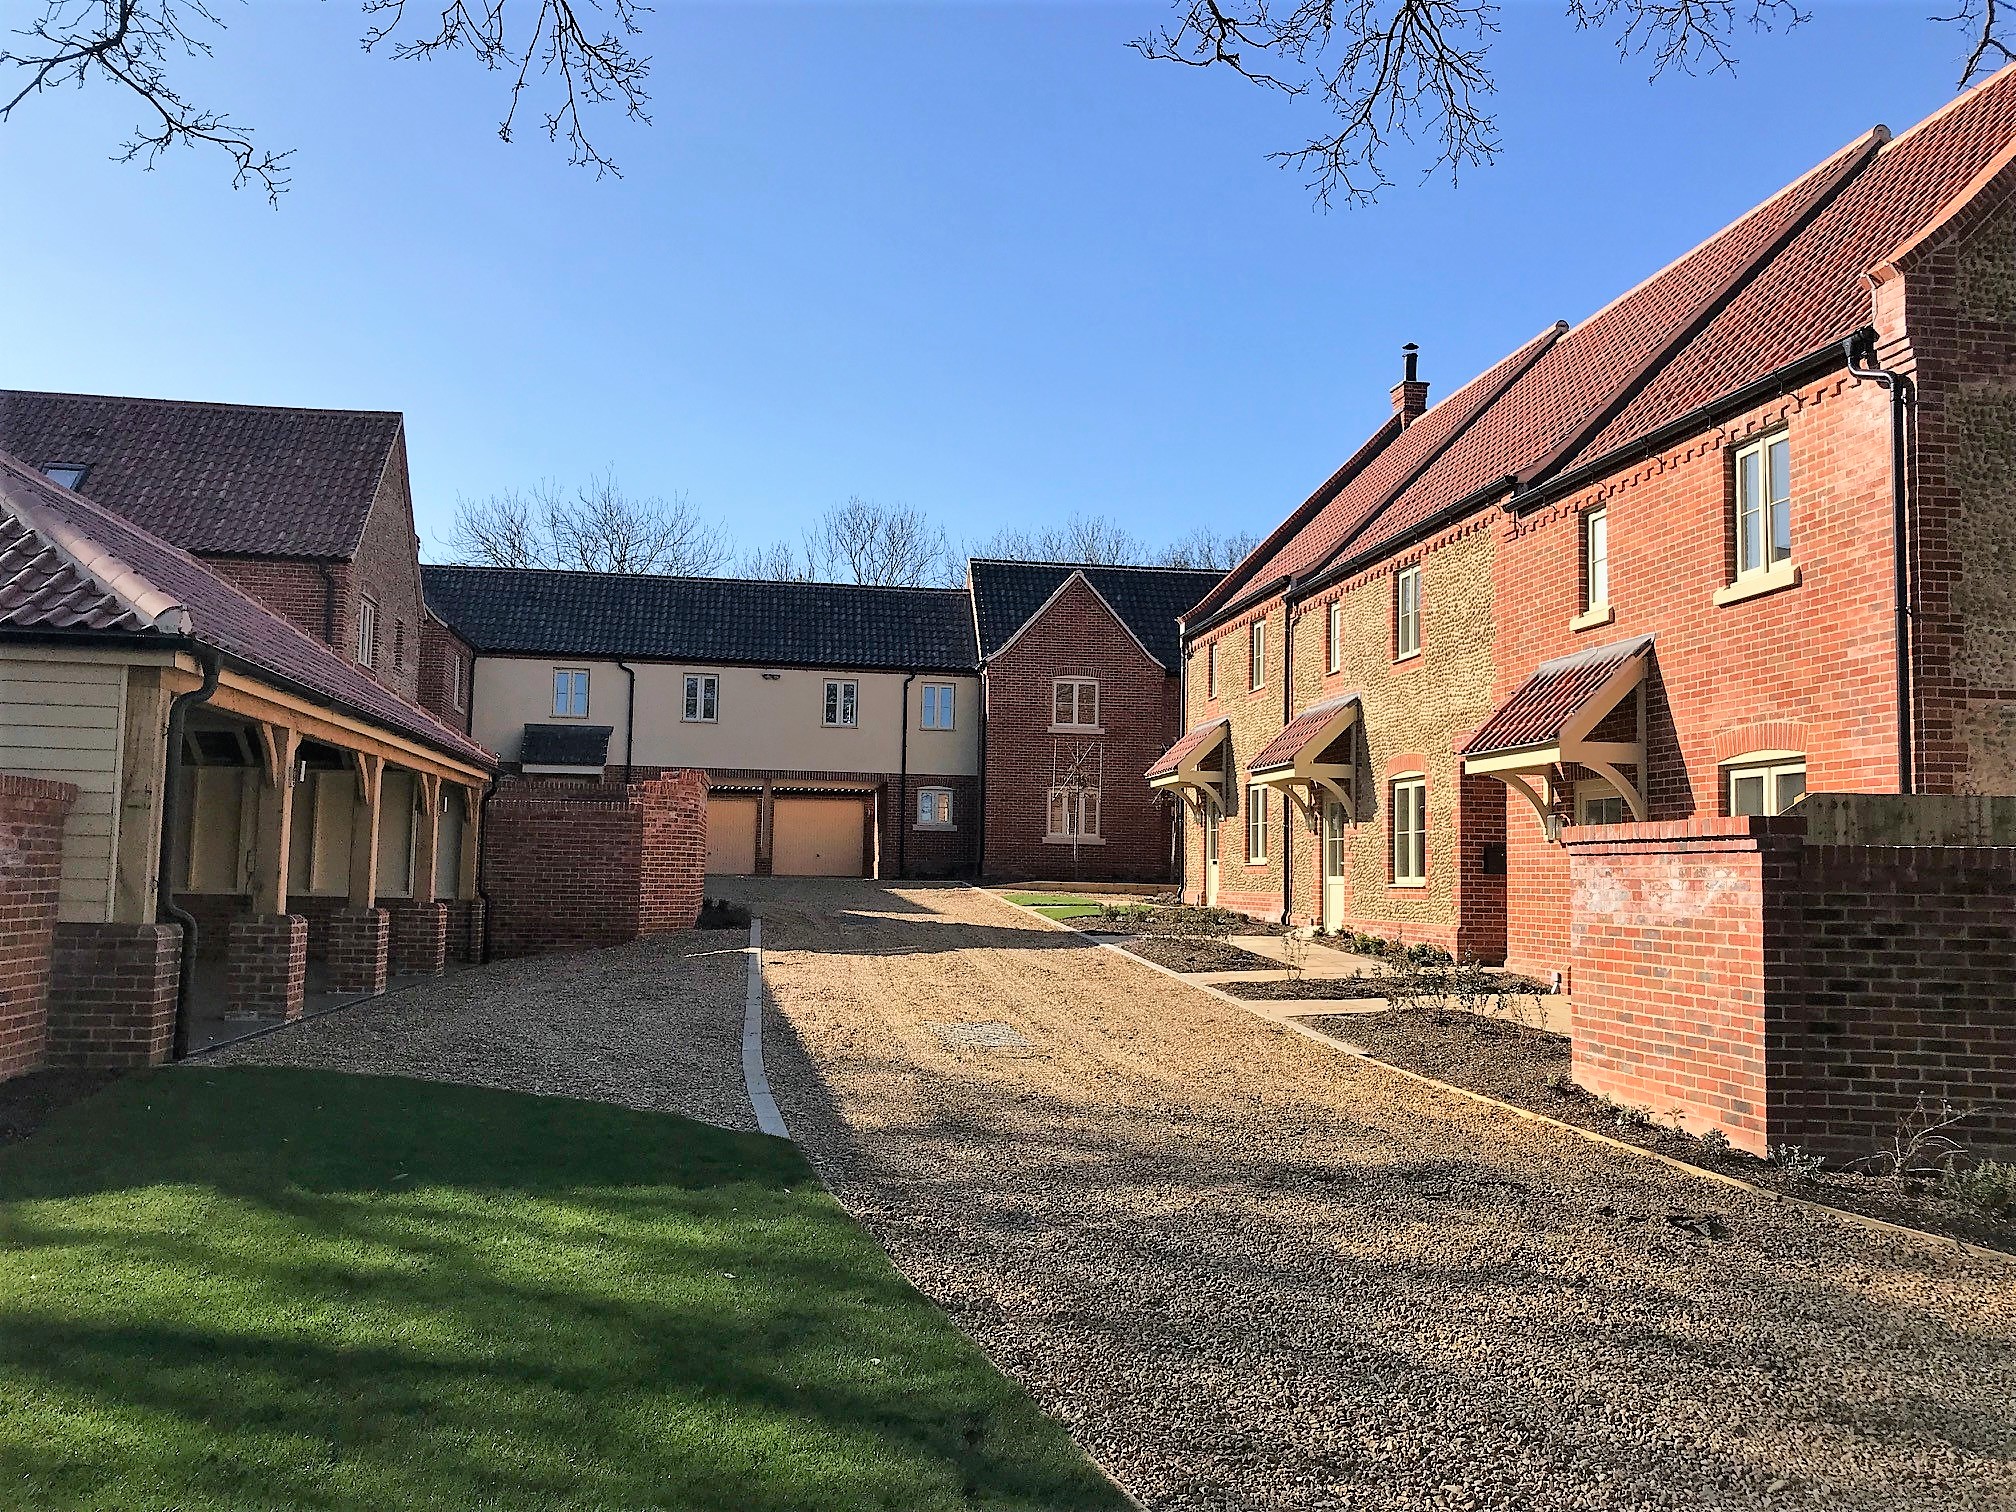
1253 1273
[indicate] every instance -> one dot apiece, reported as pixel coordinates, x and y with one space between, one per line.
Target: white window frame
367 632
564 702
1336 662
1211 670
1595 560
72 474
1071 814
1078 687
458 683
934 808
841 703
700 698
1594 804
1256 654
1408 829
939 705
1407 612
1768 511
1770 769
1256 824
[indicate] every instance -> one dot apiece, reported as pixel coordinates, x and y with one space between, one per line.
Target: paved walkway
1253 1273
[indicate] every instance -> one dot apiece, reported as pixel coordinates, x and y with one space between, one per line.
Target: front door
1210 854
1333 865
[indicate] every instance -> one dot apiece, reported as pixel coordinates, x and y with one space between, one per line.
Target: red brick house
1079 670
1584 634
308 510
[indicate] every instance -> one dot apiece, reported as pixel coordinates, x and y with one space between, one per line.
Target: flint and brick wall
1077 636
1731 976
580 867
31 862
1255 717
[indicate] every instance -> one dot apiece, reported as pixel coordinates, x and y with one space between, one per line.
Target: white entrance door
1210 854
1333 865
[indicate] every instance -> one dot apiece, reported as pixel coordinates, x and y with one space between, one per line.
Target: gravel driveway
1253 1273
655 1025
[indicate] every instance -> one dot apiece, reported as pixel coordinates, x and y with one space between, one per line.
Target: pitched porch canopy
1555 719
1195 765
1314 753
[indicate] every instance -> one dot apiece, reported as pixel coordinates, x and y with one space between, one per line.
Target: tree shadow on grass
290 1288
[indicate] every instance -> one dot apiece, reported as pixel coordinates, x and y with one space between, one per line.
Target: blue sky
980 259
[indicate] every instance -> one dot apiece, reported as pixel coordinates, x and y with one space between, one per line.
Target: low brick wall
32 812
465 930
1790 993
581 866
360 950
267 964
112 994
419 937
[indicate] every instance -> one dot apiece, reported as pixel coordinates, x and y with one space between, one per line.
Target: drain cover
990 1034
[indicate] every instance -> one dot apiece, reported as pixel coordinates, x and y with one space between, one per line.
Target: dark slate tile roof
82 568
223 479
566 745
1147 599
1537 710
533 612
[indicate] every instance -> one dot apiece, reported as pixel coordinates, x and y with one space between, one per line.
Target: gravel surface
655 1025
1196 954
1251 1272
1513 1063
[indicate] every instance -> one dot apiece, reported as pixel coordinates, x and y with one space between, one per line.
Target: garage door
816 837
731 836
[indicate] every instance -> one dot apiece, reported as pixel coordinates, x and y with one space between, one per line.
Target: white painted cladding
64 720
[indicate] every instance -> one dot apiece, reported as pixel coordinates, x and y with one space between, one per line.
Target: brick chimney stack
1410 394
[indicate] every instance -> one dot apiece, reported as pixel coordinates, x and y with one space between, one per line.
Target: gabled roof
216 479
1540 708
1147 600
534 612
1193 744
1282 750
69 567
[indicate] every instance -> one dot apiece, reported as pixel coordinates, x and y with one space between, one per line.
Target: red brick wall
268 964
112 994
440 649
31 863
294 588
1788 993
579 867
1078 636
360 950
1816 657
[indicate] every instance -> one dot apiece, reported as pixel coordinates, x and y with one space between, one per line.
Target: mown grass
1057 905
279 1288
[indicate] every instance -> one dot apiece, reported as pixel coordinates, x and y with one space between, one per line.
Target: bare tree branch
132 43
895 545
596 528
1987 22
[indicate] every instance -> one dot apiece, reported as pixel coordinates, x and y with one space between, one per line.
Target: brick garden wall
580 867
112 994
1789 993
31 862
1077 636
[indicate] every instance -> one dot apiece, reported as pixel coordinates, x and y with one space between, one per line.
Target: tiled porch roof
83 569
1282 750
1537 712
1189 745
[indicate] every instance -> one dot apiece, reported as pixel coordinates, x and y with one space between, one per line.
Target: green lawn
1056 905
267 1288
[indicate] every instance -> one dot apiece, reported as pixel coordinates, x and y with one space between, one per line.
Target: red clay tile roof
100 572
1339 517
1283 748
1170 759
223 479
1593 366
1534 715
1813 295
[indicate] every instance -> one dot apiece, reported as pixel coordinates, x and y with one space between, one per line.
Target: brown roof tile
1535 714
78 562
221 479
1170 759
1285 747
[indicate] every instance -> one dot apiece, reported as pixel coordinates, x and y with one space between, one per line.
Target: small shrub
1295 953
1630 1116
1716 1143
1989 1186
1425 954
1561 1083
1474 988
1796 1162
1920 1147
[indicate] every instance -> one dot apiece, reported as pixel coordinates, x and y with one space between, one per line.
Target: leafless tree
596 527
862 541
579 50
1204 547
1418 71
1081 538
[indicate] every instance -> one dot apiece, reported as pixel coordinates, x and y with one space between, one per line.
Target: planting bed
1168 919
29 1100
1514 1063
1196 954
1309 988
